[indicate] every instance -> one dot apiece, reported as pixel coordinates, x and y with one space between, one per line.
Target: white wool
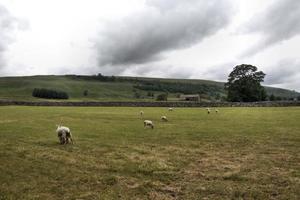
208 110
62 129
64 134
164 118
148 122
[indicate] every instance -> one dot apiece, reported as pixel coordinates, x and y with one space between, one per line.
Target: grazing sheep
170 109
164 118
217 111
208 110
148 123
141 113
64 134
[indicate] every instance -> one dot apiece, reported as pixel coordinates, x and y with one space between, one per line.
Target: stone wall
152 104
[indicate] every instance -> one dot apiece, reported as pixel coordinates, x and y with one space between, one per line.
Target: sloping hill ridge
119 88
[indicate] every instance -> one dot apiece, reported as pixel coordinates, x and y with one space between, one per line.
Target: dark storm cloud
7 25
278 23
163 25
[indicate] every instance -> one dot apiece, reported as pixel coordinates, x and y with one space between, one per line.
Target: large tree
244 84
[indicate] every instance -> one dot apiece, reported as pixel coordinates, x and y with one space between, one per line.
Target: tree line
49 94
184 88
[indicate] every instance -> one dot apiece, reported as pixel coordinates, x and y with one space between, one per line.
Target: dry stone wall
151 104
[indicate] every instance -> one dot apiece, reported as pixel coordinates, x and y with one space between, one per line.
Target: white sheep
208 110
64 134
141 113
148 123
164 118
170 109
217 111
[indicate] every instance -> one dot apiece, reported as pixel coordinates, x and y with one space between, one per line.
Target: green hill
117 88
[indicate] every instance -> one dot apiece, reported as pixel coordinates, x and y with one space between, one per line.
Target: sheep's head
57 127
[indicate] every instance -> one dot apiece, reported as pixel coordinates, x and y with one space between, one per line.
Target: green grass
240 153
20 88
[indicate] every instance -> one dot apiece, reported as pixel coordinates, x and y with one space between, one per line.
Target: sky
196 39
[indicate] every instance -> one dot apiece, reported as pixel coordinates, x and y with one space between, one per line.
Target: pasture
239 153
123 89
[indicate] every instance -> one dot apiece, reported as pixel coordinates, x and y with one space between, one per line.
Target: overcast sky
197 39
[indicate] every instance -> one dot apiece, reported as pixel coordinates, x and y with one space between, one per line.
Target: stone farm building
190 97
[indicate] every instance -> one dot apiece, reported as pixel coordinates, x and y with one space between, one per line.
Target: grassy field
240 153
20 88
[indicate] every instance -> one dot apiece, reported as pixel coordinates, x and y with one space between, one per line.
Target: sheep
170 109
208 110
217 111
64 134
148 123
164 118
141 113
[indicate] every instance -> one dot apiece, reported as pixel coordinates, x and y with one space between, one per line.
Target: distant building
189 97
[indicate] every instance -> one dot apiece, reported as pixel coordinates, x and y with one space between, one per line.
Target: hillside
117 88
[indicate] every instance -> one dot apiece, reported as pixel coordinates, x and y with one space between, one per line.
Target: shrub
136 95
162 97
85 93
272 97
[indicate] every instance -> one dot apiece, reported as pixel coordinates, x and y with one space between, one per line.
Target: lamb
64 134
148 123
164 118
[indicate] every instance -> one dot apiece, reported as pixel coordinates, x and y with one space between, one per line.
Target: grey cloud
287 71
7 24
148 70
278 23
157 70
216 72
219 72
162 26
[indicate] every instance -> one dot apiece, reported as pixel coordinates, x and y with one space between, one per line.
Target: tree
162 97
272 97
278 98
150 94
85 93
244 84
49 94
137 95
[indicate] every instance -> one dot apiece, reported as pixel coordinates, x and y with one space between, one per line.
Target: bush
278 98
136 95
49 94
162 97
150 94
85 93
272 97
